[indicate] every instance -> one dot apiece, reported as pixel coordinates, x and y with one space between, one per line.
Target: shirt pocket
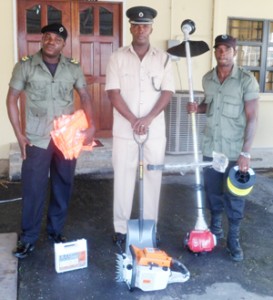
210 105
37 91
128 80
231 109
66 92
36 122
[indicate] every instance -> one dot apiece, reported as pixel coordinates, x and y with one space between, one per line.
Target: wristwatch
246 154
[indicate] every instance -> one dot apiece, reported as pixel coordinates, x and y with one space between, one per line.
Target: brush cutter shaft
219 163
188 57
187 28
178 166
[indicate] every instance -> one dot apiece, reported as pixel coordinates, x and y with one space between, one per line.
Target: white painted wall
7 62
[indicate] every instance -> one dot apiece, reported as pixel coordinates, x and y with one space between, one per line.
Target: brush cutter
201 238
219 163
140 232
149 269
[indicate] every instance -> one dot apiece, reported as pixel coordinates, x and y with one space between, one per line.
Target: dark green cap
56 28
141 15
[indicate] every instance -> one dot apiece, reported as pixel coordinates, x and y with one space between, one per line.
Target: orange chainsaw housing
152 256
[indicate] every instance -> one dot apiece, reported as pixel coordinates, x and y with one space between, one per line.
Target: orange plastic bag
67 135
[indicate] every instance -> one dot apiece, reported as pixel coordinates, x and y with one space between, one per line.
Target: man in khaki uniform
48 79
140 84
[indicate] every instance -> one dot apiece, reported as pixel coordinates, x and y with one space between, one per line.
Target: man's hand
243 163
89 135
23 141
192 107
141 126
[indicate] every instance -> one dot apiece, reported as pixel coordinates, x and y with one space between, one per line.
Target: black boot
216 225
233 244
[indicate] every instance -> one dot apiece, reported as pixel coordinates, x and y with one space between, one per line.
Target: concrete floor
213 276
8 267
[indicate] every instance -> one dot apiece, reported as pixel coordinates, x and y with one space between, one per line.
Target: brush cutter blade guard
189 48
198 241
67 134
196 48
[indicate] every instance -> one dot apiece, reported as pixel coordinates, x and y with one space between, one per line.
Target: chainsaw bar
179 273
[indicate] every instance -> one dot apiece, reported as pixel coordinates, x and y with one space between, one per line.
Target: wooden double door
94 32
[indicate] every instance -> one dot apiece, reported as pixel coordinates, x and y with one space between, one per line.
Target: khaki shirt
47 97
226 119
140 84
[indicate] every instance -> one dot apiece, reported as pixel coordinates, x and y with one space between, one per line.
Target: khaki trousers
125 164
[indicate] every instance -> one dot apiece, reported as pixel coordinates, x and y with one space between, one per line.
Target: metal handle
138 138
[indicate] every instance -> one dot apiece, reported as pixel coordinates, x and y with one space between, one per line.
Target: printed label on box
70 256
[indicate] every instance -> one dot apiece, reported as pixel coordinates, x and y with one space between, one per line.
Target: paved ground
213 276
8 267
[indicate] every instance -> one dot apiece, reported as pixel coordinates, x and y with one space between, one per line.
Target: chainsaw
149 269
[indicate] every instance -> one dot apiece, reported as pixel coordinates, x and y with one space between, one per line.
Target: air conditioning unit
179 125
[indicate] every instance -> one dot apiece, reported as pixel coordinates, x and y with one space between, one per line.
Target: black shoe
23 249
235 250
57 238
233 243
119 238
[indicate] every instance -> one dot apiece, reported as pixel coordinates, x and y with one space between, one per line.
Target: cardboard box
70 256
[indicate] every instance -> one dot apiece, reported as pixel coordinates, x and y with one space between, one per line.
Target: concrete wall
210 17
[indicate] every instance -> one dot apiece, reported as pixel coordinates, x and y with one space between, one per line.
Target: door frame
15 25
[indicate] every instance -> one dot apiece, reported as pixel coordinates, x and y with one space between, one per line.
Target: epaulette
25 58
74 61
245 71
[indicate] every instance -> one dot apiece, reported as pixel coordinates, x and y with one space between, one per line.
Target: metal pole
200 223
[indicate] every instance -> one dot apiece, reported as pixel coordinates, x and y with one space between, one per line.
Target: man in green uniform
48 79
231 107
